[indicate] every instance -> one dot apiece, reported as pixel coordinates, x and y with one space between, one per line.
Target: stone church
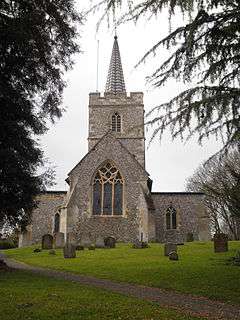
109 189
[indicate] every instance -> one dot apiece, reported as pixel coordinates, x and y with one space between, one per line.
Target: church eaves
115 80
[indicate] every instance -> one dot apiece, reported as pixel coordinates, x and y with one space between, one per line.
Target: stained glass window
108 191
118 197
97 196
116 123
56 222
171 218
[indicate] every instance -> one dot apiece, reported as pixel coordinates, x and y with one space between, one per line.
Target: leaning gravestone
69 251
100 243
110 242
220 242
47 242
169 247
59 240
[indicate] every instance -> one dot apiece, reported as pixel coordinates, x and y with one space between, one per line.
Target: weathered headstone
169 247
110 242
59 240
100 243
173 255
71 238
69 251
47 242
220 242
189 237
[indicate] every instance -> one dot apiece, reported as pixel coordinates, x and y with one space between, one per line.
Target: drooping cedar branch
206 57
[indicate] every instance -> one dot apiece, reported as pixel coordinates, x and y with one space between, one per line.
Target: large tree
219 179
205 55
37 41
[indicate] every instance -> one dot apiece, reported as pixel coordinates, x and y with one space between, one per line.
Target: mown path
186 303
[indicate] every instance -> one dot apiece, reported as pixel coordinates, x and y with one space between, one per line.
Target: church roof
108 134
115 80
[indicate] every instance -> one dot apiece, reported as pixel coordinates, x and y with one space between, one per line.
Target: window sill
107 216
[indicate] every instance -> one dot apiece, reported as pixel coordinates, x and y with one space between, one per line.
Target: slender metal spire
115 80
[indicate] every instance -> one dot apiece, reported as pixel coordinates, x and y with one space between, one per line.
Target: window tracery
171 218
108 191
116 122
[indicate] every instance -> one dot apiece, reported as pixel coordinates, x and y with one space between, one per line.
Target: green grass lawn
199 271
30 297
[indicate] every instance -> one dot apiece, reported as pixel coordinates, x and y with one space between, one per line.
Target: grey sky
168 163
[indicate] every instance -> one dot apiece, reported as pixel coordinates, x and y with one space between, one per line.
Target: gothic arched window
116 122
108 191
171 218
57 222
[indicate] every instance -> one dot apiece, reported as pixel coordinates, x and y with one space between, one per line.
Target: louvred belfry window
171 218
116 122
108 191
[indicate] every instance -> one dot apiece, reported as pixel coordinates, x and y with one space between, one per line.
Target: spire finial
115 80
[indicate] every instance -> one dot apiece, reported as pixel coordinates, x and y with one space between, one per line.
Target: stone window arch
108 191
57 222
171 218
116 122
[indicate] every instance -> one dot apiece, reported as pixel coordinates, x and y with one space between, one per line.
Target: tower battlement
109 98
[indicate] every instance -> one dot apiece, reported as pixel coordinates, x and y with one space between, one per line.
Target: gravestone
190 237
59 240
69 251
220 242
47 242
173 256
71 238
100 243
110 242
169 247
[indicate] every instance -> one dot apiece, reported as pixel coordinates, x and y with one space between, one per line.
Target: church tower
117 112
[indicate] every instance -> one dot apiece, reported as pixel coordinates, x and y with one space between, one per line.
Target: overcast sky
169 163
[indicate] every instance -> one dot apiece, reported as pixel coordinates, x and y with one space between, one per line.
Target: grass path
26 296
192 306
199 271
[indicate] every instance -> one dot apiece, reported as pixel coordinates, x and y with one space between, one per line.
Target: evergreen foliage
37 41
205 55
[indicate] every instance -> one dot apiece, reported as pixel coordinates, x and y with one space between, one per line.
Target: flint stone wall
43 216
80 218
131 109
191 217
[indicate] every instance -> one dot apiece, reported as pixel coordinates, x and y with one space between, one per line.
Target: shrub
140 245
91 247
79 247
37 250
52 252
5 244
